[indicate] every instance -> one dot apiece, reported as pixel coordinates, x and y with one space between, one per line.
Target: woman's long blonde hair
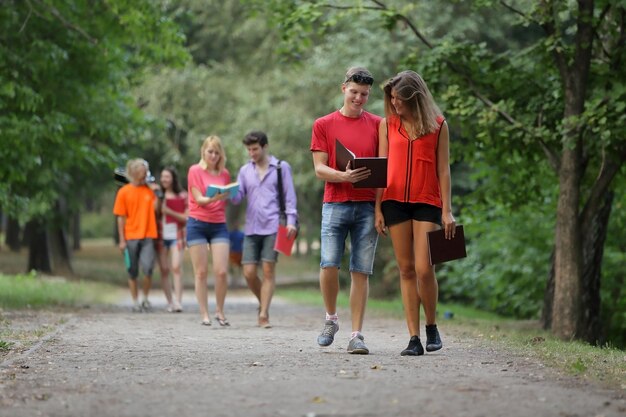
215 142
413 91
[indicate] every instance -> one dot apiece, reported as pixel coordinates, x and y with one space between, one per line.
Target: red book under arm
176 204
441 249
283 244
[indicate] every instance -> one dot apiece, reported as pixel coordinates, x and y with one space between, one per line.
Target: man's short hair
254 138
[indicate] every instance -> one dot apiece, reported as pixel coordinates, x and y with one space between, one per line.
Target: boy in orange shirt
135 208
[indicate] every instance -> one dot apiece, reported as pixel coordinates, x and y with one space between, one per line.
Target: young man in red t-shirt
346 210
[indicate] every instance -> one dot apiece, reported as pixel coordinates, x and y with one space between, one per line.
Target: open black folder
441 249
377 165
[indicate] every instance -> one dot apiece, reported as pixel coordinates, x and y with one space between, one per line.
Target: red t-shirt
412 173
360 135
199 178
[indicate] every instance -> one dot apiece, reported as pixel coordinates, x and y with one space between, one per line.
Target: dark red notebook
377 165
441 249
176 204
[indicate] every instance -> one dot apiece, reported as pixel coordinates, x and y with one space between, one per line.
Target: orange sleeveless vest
412 165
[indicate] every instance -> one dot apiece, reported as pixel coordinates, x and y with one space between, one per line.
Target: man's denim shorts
202 233
356 219
257 248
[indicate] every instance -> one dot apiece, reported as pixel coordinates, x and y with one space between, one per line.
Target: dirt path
113 363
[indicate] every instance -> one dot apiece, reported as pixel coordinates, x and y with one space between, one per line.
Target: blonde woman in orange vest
414 136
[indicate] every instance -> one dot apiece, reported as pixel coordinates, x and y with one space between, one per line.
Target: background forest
86 85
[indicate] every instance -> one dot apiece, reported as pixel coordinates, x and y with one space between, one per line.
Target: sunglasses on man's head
360 79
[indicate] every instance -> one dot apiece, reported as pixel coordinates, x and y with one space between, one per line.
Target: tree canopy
66 108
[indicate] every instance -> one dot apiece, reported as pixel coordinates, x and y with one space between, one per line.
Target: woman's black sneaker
414 348
433 341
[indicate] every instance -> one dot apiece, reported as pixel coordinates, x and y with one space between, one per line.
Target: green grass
32 291
605 365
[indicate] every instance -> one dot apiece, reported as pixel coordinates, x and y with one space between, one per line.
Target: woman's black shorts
396 212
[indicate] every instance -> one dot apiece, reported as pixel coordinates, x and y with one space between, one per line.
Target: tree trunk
12 238
594 235
76 231
548 298
60 252
38 253
49 247
568 249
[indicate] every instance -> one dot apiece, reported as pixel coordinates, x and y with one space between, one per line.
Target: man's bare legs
134 292
329 286
263 290
359 291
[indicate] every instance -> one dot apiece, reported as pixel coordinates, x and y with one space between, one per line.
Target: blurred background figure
171 243
135 207
236 252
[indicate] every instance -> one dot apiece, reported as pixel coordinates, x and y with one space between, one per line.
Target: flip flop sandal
223 322
206 322
264 322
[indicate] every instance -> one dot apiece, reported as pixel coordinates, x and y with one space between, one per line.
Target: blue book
232 189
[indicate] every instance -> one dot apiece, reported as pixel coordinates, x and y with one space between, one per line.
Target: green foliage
97 224
613 288
508 260
578 366
65 107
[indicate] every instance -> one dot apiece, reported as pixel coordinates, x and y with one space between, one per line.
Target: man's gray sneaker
327 336
357 346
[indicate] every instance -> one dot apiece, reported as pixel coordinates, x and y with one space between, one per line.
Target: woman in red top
414 136
172 220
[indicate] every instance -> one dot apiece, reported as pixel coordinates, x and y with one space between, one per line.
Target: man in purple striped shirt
258 182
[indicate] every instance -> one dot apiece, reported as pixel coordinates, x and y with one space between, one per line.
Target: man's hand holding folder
373 176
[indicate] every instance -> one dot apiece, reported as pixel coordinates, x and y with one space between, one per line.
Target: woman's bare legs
219 252
428 288
165 274
177 273
199 260
403 246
